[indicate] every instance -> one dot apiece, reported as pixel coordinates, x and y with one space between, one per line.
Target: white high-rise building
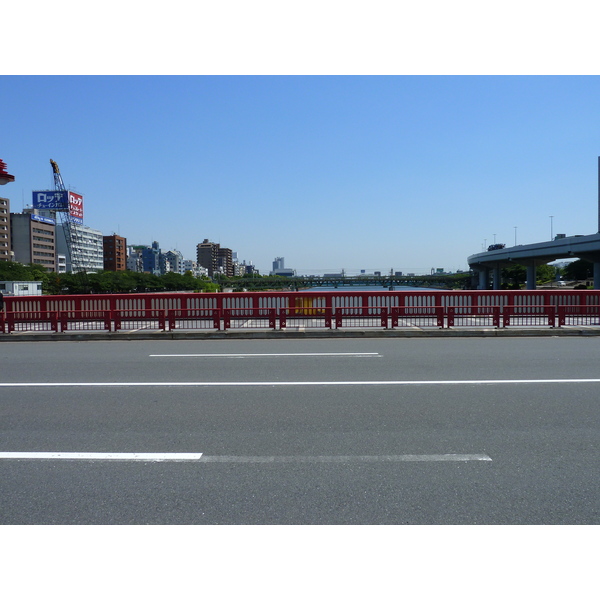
87 247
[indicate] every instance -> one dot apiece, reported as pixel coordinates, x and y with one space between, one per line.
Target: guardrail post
272 318
54 321
338 320
496 316
551 316
226 318
10 321
562 316
439 311
451 313
384 317
162 320
171 318
283 318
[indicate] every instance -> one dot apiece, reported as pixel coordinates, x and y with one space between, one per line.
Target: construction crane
69 226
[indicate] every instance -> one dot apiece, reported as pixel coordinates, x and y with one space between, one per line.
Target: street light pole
515 235
551 229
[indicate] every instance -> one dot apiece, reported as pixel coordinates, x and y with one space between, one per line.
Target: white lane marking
179 457
152 457
291 383
341 459
256 355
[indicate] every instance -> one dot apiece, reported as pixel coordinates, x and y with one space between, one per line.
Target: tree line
124 282
105 282
515 276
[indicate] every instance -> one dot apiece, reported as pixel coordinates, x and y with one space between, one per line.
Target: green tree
514 277
579 269
545 274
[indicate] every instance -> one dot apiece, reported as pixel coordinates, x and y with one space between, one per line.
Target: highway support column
531 276
484 278
496 277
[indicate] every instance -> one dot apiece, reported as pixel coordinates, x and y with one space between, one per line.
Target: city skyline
334 172
374 173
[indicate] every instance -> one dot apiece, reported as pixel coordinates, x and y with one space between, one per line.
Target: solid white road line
292 383
141 456
265 354
175 457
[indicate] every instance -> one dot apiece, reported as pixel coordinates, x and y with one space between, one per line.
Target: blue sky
331 172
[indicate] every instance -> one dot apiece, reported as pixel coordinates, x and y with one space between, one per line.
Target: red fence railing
285 310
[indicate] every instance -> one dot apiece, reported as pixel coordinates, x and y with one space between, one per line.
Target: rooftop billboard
76 207
61 201
50 200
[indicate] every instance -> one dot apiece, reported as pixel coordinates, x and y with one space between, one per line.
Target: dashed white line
140 456
255 355
343 459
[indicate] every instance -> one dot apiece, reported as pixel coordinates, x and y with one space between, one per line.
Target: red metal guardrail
281 310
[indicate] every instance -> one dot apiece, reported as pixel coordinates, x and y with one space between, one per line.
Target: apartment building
33 239
5 247
114 249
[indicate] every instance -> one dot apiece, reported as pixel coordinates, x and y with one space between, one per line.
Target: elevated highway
586 247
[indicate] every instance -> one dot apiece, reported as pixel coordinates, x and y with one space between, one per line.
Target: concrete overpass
579 246
586 247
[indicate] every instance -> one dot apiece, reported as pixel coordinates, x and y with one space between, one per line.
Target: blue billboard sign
43 219
50 200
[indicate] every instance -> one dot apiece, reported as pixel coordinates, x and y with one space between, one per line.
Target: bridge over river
439 281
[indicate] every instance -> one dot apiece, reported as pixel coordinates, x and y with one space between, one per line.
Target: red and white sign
76 205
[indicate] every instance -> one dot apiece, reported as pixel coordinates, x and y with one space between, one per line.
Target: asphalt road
340 431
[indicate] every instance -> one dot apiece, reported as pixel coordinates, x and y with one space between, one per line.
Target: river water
371 288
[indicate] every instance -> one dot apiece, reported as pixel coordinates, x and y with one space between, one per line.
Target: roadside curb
291 334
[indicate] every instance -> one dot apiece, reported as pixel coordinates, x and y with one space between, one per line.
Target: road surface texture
316 431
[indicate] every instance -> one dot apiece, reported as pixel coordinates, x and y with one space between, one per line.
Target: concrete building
61 263
87 246
194 268
151 259
33 239
5 246
172 262
134 259
114 248
207 255
279 268
225 262
21 288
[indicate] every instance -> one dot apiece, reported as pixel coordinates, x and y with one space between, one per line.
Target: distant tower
278 263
